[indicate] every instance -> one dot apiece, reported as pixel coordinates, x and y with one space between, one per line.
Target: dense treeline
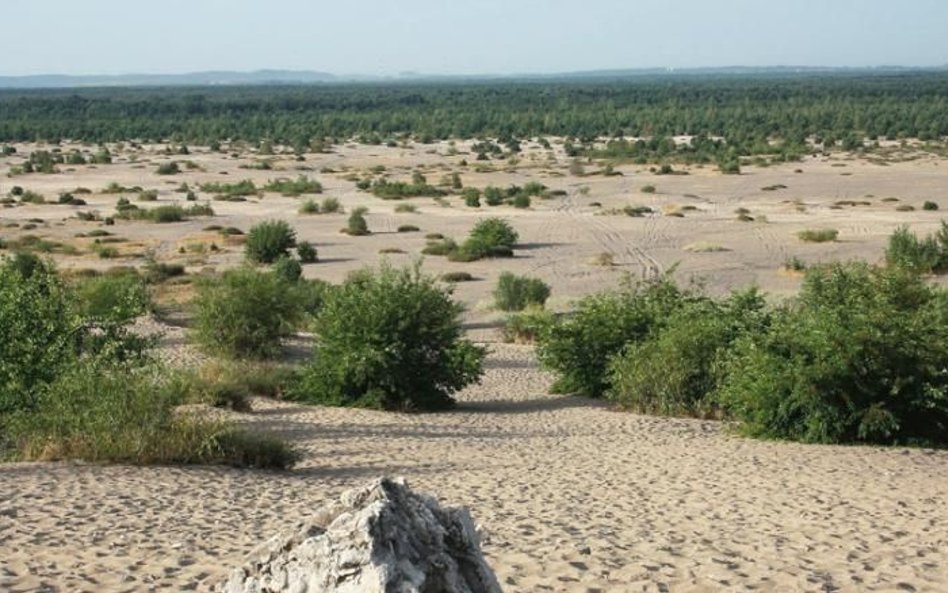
746 111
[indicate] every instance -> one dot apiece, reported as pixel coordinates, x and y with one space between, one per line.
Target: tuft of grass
457 277
818 235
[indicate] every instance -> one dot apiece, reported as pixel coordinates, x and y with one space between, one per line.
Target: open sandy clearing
573 497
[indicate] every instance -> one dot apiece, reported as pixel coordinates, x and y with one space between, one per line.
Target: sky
388 37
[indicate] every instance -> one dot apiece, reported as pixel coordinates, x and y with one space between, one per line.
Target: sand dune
572 496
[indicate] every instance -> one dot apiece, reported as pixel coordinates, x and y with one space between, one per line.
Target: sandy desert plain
571 495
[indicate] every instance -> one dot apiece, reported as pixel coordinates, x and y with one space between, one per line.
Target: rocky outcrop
382 538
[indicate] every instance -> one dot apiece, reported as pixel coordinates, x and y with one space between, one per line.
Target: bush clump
818 235
389 339
357 225
858 357
307 252
514 293
925 256
246 313
579 346
269 240
671 371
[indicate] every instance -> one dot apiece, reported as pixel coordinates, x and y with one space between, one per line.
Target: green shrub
858 357
929 205
269 240
472 197
294 187
514 293
117 297
905 250
406 209
408 228
818 235
48 328
309 207
490 237
526 326
441 247
288 269
457 277
648 189
171 168
245 313
307 252
579 346
109 414
389 339
672 371
357 226
330 206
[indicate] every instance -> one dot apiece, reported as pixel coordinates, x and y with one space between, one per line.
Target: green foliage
307 252
166 213
672 370
490 237
269 240
330 206
396 190
472 197
525 327
389 339
357 225
818 235
578 347
930 206
294 187
309 207
288 269
240 189
170 168
858 357
514 293
106 413
48 328
457 277
246 313
905 250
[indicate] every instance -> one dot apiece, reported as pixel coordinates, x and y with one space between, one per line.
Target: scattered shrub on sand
578 347
457 277
408 228
929 205
162 214
294 187
245 313
859 356
648 189
925 256
269 240
514 293
357 225
330 206
110 414
170 168
525 326
671 371
389 339
240 189
490 237
818 235
309 207
288 268
406 209
307 252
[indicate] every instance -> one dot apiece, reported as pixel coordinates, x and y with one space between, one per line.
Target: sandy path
573 496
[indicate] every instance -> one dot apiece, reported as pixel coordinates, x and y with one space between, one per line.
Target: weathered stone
382 538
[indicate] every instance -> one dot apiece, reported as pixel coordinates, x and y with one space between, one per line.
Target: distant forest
753 114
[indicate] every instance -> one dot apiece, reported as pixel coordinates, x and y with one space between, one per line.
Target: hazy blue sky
472 36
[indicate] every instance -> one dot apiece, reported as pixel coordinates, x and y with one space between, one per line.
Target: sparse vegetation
818 235
269 240
515 293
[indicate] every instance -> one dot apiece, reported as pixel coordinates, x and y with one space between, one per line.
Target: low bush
857 357
514 293
269 240
288 268
408 228
171 168
927 255
578 347
357 225
389 339
929 205
330 206
818 235
457 277
307 252
309 207
526 326
672 370
294 187
246 313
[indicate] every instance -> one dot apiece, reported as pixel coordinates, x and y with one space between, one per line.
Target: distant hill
303 77
216 78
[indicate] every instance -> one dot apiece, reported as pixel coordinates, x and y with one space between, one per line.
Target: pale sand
661 504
